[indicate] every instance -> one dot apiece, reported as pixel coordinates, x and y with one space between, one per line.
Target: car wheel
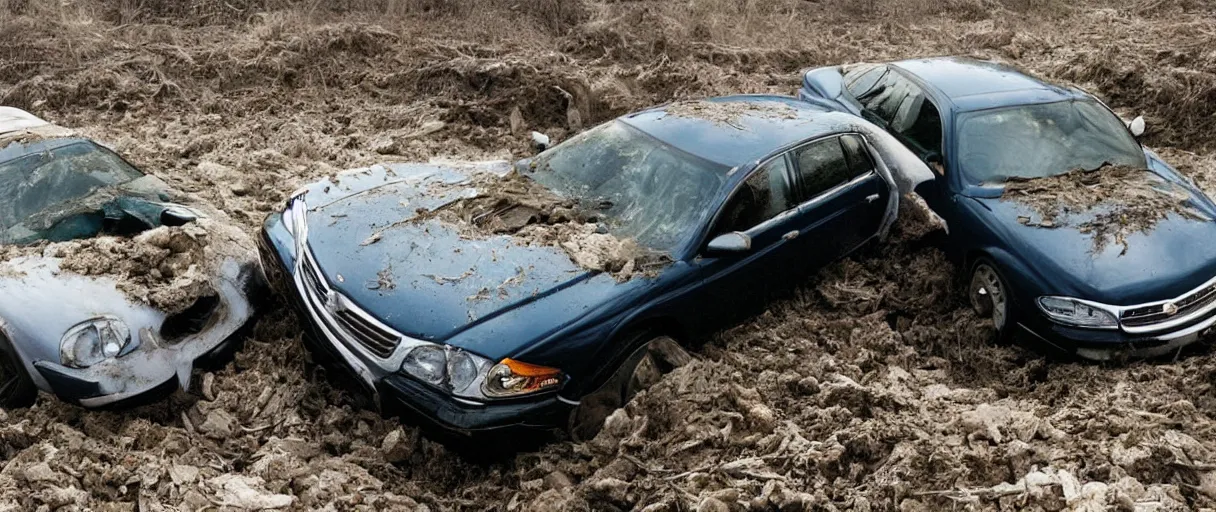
16 387
990 298
642 369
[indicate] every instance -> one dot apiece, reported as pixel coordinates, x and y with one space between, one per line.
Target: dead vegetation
1108 203
533 215
871 388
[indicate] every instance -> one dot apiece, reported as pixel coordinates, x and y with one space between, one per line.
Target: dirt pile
168 268
1109 203
870 388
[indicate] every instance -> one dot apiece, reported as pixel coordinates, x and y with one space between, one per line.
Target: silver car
113 286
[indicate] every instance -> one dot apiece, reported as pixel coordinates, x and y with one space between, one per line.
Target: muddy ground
870 388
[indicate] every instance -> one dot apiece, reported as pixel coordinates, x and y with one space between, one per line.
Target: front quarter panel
986 238
38 304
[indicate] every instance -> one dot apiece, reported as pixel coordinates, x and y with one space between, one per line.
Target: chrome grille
1194 303
341 315
375 339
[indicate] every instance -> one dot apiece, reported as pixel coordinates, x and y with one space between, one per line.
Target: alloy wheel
988 295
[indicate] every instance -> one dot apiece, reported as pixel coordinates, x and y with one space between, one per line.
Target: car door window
764 195
918 121
856 153
907 110
821 166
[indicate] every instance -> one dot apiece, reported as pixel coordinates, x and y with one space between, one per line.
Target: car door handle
871 198
790 236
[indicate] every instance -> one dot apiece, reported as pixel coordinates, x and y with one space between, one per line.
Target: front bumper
1110 344
396 394
155 369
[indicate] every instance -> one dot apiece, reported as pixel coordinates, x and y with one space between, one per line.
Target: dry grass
241 101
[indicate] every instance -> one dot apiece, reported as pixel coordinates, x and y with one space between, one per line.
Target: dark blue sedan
476 333
989 130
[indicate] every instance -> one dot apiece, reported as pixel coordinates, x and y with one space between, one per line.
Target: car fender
38 304
825 87
1026 283
899 167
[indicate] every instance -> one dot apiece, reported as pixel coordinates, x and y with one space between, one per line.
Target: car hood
1173 257
421 276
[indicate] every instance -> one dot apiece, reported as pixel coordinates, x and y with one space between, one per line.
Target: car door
765 208
843 198
906 111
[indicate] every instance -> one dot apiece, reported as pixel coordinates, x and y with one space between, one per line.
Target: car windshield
1035 141
645 189
40 179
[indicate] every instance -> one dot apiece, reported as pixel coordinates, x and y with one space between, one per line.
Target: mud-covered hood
421 276
1176 255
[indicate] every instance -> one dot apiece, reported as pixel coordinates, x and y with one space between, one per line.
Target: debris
1109 203
730 113
246 493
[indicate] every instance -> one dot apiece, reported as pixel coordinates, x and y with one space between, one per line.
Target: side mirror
730 242
1136 126
540 141
828 82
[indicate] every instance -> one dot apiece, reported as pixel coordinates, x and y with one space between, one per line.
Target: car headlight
94 341
515 378
1077 313
448 368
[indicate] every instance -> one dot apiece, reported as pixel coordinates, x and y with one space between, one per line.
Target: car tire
992 299
17 389
645 367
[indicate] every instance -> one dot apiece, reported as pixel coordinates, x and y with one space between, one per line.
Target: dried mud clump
532 214
168 268
730 113
1109 203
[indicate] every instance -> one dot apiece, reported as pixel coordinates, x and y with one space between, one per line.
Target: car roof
734 130
14 119
974 84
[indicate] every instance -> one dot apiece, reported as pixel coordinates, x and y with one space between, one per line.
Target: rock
808 385
398 445
516 120
383 145
239 189
247 493
712 504
427 128
557 480
40 473
209 386
218 425
612 489
182 474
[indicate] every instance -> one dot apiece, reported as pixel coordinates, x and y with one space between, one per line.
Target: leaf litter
1109 203
871 388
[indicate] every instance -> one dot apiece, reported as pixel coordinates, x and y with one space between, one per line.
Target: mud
730 113
872 387
534 215
1109 203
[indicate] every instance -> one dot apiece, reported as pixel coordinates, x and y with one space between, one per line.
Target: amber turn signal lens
514 378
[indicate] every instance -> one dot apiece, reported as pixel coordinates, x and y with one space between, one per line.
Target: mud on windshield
643 188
